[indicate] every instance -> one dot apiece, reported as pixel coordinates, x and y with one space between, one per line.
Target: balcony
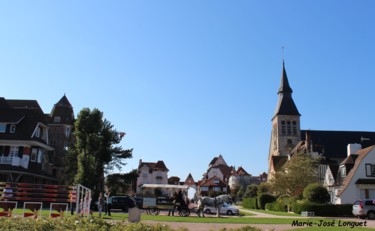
14 161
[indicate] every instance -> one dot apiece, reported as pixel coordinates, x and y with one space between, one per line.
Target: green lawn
228 220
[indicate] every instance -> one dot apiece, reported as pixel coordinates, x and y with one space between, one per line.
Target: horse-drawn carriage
158 197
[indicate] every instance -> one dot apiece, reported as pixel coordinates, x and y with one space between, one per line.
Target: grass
247 220
274 213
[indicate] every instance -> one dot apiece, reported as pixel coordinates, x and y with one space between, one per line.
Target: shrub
263 199
316 193
250 203
327 210
277 206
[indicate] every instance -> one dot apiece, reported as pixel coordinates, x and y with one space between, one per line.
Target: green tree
241 193
316 193
251 191
97 147
263 187
121 184
295 175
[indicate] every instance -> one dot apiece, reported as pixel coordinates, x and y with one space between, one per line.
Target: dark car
138 201
123 203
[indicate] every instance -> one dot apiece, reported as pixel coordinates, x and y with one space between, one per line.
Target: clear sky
190 80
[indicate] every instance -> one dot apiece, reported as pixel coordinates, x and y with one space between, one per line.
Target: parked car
225 209
123 203
139 201
364 208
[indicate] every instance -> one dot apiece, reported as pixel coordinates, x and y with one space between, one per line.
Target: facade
355 178
26 152
151 173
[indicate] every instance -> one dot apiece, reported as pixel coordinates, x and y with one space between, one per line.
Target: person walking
108 197
100 204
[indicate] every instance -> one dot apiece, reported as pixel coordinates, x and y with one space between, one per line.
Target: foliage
276 206
234 191
327 210
263 187
120 184
295 175
316 193
265 198
241 192
250 203
251 191
96 145
70 165
89 224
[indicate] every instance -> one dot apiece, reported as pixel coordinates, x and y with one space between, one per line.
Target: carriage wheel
184 212
153 211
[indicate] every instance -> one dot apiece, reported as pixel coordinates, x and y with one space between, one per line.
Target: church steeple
285 105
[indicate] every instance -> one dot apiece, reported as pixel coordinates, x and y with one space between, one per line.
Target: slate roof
160 165
333 144
225 169
210 182
64 110
26 119
285 105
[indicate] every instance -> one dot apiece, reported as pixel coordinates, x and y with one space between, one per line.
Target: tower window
294 127
289 128
283 128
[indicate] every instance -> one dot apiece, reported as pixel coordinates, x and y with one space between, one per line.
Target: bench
307 213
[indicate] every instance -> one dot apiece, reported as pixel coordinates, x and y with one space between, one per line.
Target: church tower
286 131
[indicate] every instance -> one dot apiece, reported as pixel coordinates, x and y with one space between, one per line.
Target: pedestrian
173 199
100 204
108 197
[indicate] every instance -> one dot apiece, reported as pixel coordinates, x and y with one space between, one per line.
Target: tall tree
97 147
295 175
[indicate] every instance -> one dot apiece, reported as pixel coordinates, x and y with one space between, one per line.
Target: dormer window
3 127
57 119
343 172
12 128
37 132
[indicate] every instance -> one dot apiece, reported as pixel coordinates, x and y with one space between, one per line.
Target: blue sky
189 80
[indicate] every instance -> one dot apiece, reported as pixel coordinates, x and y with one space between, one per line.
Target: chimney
353 148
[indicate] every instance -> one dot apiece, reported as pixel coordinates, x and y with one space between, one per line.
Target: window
289 128
370 170
294 128
37 132
34 154
13 151
13 128
283 128
67 131
343 172
57 119
3 127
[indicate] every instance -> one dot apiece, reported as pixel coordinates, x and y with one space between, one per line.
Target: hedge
265 198
250 203
277 206
327 210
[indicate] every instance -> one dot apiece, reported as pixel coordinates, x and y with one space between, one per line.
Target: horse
216 202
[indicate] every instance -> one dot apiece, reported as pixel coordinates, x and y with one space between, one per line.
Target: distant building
241 178
151 173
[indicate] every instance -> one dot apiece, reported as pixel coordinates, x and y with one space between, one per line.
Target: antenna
282 52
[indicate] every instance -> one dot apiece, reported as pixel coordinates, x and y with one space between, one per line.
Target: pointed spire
284 85
286 105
